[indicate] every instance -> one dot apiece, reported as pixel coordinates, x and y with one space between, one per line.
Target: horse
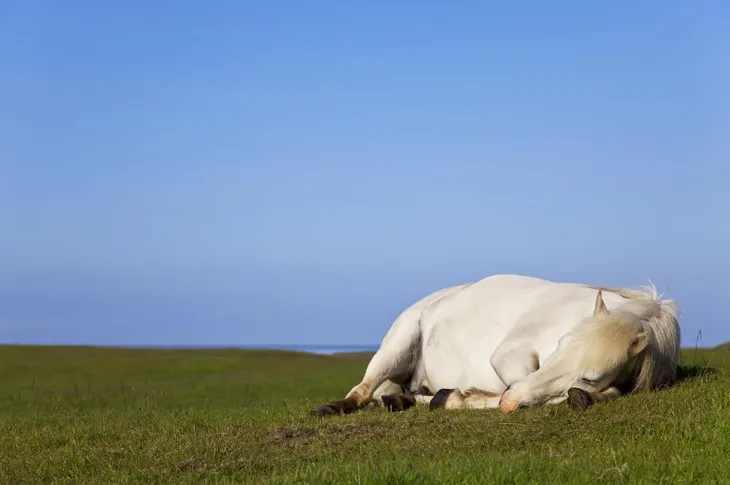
511 341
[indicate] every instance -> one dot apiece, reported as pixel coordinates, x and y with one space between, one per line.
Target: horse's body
534 339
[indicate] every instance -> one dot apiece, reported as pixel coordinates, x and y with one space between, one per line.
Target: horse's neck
551 312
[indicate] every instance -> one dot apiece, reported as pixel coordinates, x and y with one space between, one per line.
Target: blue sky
232 173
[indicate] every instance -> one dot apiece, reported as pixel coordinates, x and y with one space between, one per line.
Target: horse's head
601 352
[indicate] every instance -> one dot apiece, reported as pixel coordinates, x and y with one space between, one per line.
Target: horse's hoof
344 406
389 402
579 399
397 402
439 399
325 410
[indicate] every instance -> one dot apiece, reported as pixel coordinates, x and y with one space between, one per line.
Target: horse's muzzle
507 404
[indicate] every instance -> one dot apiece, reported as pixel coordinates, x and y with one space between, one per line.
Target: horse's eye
590 382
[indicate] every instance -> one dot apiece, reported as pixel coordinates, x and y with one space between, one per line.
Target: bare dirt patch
290 435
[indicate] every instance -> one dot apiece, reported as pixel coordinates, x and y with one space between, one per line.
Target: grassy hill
94 415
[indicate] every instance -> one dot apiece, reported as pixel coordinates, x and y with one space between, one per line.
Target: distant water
314 349
318 349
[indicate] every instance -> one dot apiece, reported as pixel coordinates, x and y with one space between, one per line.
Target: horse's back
495 301
408 322
510 300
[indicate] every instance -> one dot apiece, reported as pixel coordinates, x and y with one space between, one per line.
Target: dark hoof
345 406
397 402
579 399
439 399
325 410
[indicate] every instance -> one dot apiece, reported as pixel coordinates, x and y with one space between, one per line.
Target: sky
286 172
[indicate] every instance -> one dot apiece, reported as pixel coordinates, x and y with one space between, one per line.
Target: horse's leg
393 363
511 363
424 398
399 401
581 400
403 398
471 398
393 396
396 358
387 388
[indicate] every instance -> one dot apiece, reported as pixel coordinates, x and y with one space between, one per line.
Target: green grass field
90 415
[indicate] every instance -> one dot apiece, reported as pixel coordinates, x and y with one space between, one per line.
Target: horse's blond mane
658 366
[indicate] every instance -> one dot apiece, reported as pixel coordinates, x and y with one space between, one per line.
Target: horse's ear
600 307
639 343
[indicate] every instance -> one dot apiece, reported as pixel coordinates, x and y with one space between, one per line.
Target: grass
90 415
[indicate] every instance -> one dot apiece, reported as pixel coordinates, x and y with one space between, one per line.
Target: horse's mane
658 366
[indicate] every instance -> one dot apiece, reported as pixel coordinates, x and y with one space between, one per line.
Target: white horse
512 341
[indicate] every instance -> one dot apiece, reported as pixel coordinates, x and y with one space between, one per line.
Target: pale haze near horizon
247 173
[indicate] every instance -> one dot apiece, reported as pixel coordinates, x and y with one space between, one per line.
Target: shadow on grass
690 372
